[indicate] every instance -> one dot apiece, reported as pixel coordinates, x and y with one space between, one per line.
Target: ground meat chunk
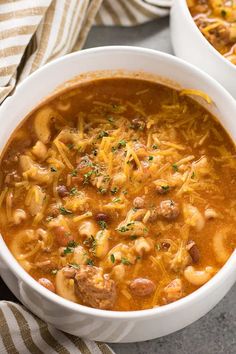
169 209
94 288
138 123
174 290
138 202
142 287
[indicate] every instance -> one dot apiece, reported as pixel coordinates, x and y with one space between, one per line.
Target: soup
119 194
216 19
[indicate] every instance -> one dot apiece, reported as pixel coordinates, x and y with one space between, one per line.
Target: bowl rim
195 297
189 18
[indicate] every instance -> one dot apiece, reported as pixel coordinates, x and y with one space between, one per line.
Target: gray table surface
215 333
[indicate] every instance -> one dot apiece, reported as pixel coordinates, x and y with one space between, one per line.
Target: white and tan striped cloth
33 32
23 333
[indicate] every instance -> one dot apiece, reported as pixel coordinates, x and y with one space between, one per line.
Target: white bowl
190 45
111 326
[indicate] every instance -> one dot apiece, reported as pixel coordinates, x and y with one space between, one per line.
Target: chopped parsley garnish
53 169
65 211
70 146
74 173
150 158
68 250
73 191
102 190
114 190
112 258
102 224
113 149
193 175
154 146
175 167
133 237
122 143
87 176
138 258
165 188
125 227
102 134
90 262
91 242
158 247
74 265
54 271
125 261
223 13
116 200
72 243
110 119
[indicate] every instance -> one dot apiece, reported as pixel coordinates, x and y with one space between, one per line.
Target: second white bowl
190 45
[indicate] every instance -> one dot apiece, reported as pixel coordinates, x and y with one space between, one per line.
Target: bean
62 191
194 253
142 287
47 284
102 217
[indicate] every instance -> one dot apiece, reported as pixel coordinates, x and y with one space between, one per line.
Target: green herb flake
70 146
223 13
87 176
114 190
65 211
175 167
150 158
74 265
122 143
90 262
54 271
155 146
68 250
53 169
102 134
126 227
110 119
72 243
74 173
165 188
112 258
125 261
133 237
158 247
102 190
116 200
193 175
74 191
102 224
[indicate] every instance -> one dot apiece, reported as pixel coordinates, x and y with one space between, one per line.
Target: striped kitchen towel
23 333
33 32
